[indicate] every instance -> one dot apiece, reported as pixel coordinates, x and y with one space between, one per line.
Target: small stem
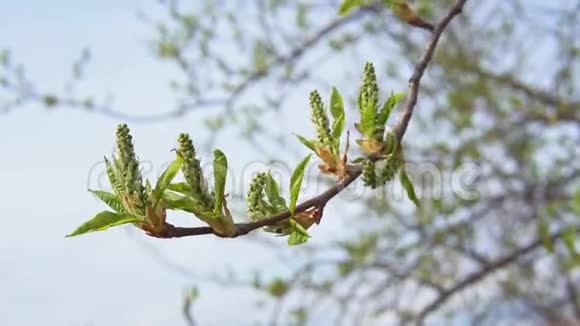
353 171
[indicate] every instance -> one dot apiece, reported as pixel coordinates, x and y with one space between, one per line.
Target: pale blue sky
104 278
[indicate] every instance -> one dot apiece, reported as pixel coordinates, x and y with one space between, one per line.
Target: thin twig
415 80
353 171
245 228
106 109
188 312
483 273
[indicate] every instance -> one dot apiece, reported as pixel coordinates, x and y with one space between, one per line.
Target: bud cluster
320 120
127 166
255 197
379 173
369 91
193 173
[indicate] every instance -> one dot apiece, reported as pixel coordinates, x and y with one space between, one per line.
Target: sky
50 158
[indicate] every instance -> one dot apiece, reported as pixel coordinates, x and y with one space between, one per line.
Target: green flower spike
131 201
369 91
256 209
320 120
389 170
373 119
263 200
368 101
193 173
197 199
369 175
134 195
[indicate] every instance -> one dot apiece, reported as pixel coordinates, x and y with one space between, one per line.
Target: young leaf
370 146
103 221
308 143
148 187
180 187
110 199
220 171
327 156
347 5
388 107
165 179
298 235
296 182
368 120
337 111
273 194
391 143
408 185
176 201
113 180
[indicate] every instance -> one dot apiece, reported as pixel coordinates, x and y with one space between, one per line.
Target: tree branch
415 80
483 273
353 171
28 93
292 56
245 228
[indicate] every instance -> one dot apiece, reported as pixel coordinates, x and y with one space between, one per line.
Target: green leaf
336 104
388 107
295 239
337 111
408 185
296 182
347 5
180 187
544 234
175 201
308 143
110 199
359 103
165 179
273 193
220 172
368 120
299 235
103 221
148 187
113 180
391 142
